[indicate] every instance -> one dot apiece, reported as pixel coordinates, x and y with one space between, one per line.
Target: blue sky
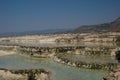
28 15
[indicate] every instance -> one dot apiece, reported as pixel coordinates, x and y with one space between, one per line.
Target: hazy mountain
36 32
115 25
105 27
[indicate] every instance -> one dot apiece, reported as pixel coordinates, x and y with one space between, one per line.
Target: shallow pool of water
99 59
59 71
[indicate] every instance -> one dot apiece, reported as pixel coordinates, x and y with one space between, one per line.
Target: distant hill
36 32
105 27
115 25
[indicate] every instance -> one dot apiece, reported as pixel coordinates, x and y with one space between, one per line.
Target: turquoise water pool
59 71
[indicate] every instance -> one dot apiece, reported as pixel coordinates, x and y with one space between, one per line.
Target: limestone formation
114 74
24 74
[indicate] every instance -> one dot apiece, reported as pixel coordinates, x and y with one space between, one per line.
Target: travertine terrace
56 46
51 38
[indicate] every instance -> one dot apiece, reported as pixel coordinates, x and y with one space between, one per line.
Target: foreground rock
26 74
114 74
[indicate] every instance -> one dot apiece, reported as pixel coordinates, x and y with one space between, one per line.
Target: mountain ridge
113 26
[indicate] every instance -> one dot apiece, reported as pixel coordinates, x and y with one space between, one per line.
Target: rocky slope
115 25
105 27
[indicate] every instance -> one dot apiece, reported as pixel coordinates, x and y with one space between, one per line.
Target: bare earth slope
105 27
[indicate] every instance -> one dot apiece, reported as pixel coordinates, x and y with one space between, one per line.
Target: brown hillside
115 25
106 27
